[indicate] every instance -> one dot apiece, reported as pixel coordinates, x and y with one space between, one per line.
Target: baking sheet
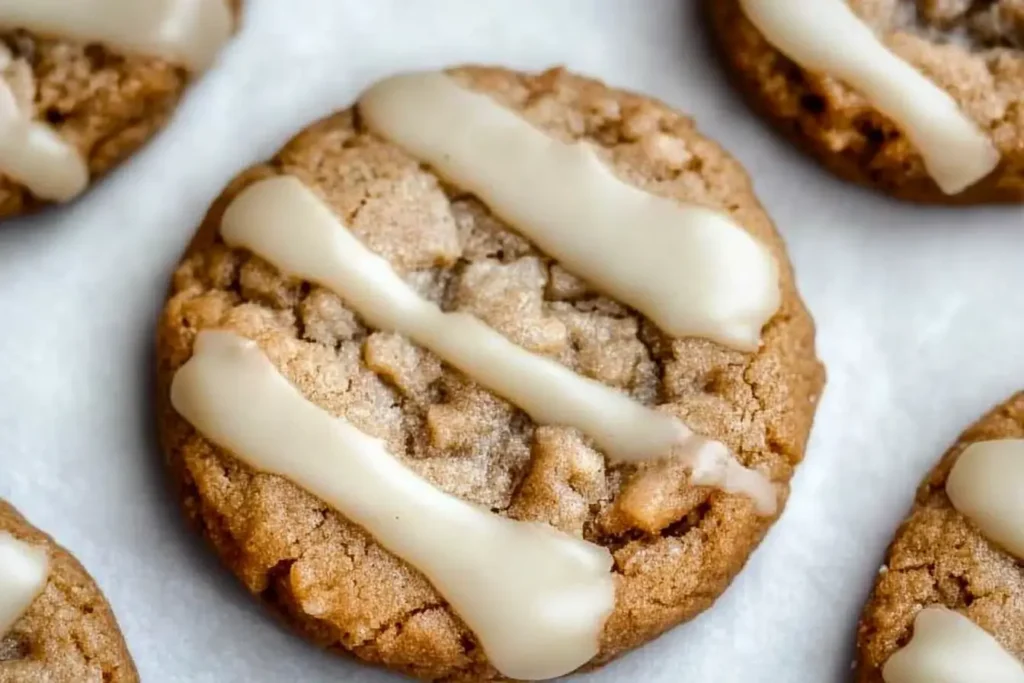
918 324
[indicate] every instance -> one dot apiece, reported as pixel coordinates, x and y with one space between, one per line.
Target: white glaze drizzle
826 36
536 598
947 647
285 223
34 155
24 570
188 32
691 270
986 485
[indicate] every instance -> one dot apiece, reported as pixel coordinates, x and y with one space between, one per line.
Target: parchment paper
919 313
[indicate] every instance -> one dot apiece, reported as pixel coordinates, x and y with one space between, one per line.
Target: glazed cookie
494 376
922 99
949 602
55 625
85 84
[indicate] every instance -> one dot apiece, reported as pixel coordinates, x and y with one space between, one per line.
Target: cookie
917 98
492 376
83 87
949 602
55 624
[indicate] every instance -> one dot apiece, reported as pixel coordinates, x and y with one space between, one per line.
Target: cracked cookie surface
676 547
69 634
104 103
940 558
973 50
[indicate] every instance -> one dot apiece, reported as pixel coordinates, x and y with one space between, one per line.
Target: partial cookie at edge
107 105
323 575
940 558
69 633
838 127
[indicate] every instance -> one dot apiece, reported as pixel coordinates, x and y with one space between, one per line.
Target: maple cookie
493 376
949 602
55 624
921 99
84 84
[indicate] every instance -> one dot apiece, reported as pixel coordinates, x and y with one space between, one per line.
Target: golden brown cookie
102 101
940 558
676 547
69 634
972 50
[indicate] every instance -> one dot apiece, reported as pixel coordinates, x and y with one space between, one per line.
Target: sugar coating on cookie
23 572
913 97
966 525
511 376
34 152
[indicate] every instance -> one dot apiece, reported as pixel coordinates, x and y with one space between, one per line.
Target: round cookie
68 633
973 51
675 546
942 559
95 102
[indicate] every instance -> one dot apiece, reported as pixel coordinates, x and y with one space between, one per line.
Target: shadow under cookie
673 546
68 631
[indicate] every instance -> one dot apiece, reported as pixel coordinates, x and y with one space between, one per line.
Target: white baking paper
920 315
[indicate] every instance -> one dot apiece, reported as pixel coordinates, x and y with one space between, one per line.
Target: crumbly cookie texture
972 50
104 103
69 633
676 547
940 558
